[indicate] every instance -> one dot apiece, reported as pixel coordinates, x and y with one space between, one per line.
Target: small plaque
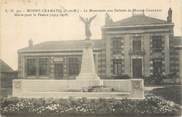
136 84
58 59
17 84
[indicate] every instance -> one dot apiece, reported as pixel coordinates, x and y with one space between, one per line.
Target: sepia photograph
90 58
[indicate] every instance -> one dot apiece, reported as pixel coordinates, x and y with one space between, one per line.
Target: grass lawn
172 93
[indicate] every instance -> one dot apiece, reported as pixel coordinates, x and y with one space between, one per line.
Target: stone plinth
130 88
116 95
88 73
137 89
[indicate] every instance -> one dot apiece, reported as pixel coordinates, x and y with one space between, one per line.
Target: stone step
117 95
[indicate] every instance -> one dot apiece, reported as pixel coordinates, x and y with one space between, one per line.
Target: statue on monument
88 72
87 22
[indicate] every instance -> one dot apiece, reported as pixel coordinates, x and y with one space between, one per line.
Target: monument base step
87 76
116 95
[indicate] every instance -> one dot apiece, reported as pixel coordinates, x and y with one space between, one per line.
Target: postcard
90 58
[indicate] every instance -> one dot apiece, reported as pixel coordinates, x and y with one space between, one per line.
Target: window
136 45
157 43
157 66
31 66
43 66
117 66
74 66
58 70
116 44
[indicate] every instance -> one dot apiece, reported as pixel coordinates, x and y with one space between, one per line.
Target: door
137 68
58 71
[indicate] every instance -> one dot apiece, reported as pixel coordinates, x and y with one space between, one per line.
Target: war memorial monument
87 84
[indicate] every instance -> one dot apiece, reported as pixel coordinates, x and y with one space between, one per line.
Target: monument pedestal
87 72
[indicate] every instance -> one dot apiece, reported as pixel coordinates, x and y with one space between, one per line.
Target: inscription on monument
136 85
17 85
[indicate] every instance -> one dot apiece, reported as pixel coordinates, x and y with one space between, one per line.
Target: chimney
169 17
30 43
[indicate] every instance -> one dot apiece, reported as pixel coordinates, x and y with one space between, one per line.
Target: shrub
158 79
154 79
150 105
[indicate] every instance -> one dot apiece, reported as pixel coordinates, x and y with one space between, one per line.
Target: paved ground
149 88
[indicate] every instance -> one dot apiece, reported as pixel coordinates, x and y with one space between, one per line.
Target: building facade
57 59
177 57
136 46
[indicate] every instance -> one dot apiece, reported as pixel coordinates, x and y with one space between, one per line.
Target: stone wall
47 88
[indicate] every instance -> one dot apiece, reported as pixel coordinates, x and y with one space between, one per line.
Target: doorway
137 68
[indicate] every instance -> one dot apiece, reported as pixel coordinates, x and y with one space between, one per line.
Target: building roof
62 45
138 20
4 67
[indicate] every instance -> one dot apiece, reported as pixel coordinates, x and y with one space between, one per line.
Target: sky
15 31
